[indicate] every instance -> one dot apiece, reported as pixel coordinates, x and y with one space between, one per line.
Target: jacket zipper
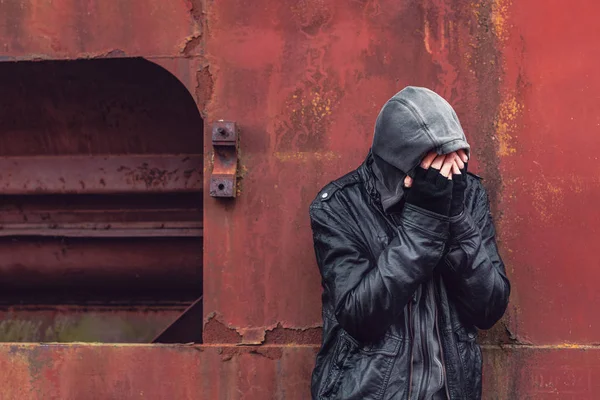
392 224
437 328
425 349
410 371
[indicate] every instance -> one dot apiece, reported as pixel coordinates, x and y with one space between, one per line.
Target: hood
412 123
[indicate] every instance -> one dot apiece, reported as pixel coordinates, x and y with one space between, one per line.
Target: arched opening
101 208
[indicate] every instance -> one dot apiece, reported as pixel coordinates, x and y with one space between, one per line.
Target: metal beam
100 174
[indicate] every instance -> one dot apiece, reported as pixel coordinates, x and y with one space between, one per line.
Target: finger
463 155
428 159
438 162
455 169
459 162
447 167
408 181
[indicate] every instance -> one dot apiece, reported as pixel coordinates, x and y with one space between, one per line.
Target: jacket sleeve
475 277
368 292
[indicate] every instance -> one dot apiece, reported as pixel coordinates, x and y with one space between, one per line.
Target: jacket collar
368 178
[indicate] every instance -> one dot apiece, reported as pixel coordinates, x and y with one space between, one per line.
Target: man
409 264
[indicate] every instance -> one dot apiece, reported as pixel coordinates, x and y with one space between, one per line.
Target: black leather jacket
371 266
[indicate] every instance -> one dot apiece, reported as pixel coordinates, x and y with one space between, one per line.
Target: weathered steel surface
100 174
523 84
548 134
542 372
113 323
306 108
99 372
166 372
39 29
39 269
77 215
305 80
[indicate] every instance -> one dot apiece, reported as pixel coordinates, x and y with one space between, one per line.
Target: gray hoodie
412 123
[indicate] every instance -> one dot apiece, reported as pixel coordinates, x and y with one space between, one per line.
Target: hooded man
410 269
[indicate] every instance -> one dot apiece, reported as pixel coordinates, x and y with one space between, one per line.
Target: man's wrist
460 226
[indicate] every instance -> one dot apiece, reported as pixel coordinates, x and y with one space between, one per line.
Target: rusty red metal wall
304 80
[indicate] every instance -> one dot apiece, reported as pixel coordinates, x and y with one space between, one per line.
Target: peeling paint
191 44
215 331
281 335
196 11
204 88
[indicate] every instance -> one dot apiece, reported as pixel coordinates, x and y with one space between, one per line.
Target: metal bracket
225 151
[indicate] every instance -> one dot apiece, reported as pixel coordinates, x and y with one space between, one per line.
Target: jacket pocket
471 362
365 371
341 352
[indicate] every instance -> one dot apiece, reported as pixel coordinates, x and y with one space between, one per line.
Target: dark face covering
412 123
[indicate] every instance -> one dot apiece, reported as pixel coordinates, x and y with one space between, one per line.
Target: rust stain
204 88
269 352
240 173
215 331
506 124
152 177
309 107
281 335
196 11
500 17
191 44
427 36
306 156
312 15
309 113
252 335
547 199
113 53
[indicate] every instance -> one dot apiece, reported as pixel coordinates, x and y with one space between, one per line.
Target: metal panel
548 144
36 30
523 84
166 372
306 108
75 371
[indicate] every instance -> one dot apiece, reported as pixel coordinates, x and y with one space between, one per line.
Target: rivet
324 195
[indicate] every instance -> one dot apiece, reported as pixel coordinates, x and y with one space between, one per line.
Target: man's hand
432 185
442 162
459 172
